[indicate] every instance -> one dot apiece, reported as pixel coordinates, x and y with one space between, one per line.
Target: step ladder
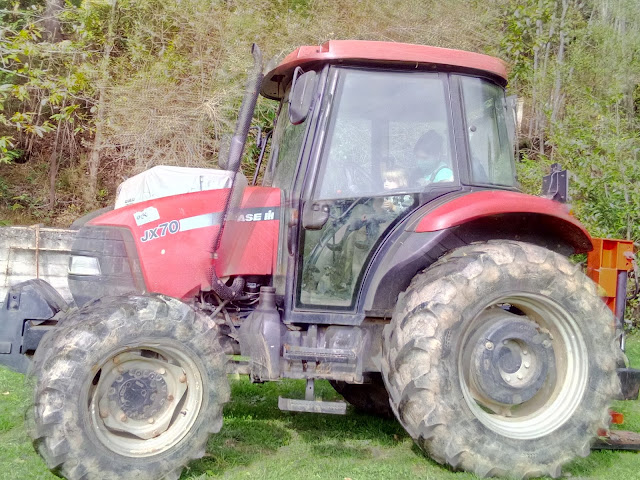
310 404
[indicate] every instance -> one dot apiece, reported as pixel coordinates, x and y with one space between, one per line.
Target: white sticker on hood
149 214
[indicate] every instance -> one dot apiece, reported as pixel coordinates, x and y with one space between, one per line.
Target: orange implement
607 265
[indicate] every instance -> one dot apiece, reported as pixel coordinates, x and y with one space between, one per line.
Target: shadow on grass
254 427
598 460
338 449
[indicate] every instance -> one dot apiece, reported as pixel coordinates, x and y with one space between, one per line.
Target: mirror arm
296 73
263 147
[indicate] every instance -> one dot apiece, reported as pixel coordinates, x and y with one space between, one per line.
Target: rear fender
492 212
432 231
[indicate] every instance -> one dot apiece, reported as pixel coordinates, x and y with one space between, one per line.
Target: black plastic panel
28 303
119 264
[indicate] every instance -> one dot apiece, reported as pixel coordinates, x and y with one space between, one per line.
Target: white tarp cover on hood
164 181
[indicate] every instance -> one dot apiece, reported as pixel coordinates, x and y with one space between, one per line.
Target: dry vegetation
162 81
132 84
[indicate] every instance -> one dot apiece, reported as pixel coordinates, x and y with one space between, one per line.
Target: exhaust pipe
246 111
234 159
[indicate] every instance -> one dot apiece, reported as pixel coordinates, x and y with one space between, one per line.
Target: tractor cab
362 143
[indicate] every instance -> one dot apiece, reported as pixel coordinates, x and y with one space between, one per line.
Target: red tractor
387 250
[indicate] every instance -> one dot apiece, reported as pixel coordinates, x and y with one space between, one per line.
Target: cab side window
386 121
491 153
287 143
388 138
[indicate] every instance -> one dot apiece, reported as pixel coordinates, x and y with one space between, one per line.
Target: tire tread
411 368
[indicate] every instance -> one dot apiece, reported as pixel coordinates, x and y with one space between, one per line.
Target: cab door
367 177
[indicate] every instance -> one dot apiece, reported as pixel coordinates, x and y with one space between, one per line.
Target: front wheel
131 388
500 359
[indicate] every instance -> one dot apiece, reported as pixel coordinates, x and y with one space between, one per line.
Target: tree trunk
534 89
94 158
53 167
556 99
51 22
541 119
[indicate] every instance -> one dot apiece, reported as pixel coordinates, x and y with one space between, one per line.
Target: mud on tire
500 360
129 387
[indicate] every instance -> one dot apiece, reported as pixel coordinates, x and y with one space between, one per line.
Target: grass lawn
258 441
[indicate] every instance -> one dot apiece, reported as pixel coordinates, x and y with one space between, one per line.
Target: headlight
79 265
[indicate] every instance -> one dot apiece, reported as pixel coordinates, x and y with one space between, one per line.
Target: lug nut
120 369
104 413
519 376
527 364
162 371
488 346
151 420
155 433
507 378
117 360
182 378
524 352
170 398
123 418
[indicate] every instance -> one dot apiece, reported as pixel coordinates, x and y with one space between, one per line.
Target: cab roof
389 54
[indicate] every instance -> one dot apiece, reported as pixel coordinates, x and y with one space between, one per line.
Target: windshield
386 127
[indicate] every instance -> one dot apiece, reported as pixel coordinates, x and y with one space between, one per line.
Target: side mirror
315 215
303 88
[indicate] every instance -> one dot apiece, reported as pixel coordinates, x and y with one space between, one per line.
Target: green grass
258 441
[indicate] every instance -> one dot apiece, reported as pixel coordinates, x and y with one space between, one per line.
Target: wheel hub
511 359
140 394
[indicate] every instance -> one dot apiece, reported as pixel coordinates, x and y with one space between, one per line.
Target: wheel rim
550 396
145 399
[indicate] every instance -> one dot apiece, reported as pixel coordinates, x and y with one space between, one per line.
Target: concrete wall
35 252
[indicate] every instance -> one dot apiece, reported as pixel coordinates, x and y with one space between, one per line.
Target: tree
51 22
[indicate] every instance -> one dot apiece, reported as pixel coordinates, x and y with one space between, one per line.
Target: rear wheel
500 359
133 390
